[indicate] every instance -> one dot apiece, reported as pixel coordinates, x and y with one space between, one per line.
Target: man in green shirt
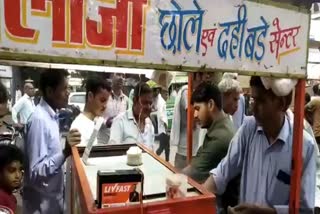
207 103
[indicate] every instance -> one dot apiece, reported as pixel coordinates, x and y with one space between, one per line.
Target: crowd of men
244 160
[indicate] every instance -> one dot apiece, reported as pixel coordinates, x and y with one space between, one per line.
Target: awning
75 67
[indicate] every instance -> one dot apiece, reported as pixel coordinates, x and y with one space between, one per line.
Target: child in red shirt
11 170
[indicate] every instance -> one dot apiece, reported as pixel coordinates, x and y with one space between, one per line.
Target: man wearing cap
261 151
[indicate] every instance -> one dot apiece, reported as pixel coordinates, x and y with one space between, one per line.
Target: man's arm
229 168
210 185
187 170
41 164
151 136
116 132
209 155
162 114
231 165
16 110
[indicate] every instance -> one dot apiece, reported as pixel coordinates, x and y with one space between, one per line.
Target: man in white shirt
18 94
174 93
159 116
130 103
117 103
135 126
97 94
23 109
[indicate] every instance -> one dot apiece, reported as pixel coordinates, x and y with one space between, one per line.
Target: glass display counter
155 170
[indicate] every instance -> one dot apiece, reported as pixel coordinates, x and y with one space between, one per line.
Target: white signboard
5 71
230 35
314 30
314 64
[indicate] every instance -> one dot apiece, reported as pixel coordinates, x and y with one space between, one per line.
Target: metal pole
190 119
297 161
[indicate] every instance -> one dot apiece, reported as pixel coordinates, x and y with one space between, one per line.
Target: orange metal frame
297 148
204 203
190 119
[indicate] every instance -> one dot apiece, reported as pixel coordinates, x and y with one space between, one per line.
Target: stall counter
155 170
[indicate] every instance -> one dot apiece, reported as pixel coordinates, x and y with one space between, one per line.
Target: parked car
78 99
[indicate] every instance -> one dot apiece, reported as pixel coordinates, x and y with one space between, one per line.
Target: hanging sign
231 35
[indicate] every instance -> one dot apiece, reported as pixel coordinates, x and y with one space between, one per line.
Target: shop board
248 37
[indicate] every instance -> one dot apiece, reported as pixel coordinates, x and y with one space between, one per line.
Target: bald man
23 109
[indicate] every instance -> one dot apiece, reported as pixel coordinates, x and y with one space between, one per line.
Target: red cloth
8 200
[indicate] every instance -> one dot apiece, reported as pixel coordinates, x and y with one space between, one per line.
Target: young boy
97 94
11 170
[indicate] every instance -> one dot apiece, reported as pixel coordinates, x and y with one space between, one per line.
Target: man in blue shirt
44 174
261 152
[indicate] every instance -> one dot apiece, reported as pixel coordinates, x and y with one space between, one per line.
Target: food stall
249 37
155 171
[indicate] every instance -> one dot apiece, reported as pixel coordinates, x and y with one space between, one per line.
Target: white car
78 99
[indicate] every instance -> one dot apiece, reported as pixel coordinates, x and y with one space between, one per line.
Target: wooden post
297 148
190 119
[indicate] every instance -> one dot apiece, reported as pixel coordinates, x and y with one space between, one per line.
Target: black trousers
164 140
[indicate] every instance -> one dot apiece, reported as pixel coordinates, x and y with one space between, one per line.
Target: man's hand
187 170
250 209
74 137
